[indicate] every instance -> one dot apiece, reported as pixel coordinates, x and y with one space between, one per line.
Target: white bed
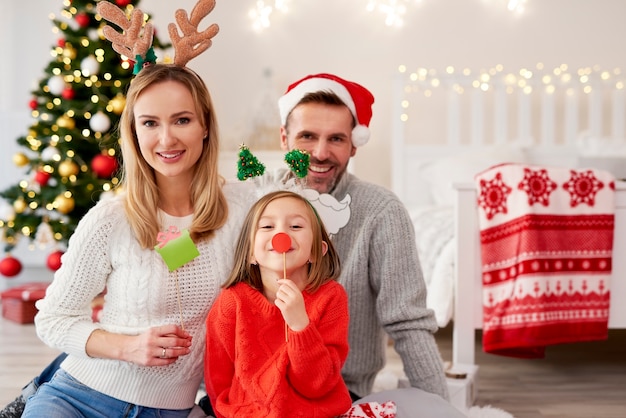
449 126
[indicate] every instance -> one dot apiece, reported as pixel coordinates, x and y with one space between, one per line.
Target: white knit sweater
141 293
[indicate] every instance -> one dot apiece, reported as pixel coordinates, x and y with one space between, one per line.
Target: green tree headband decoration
298 161
249 166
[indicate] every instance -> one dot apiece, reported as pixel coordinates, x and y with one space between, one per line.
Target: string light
424 80
516 6
394 10
262 11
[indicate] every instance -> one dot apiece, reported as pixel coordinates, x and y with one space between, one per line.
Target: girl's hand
158 346
291 304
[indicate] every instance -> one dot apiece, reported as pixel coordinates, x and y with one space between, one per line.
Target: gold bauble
117 104
69 51
66 122
64 204
68 168
20 159
20 205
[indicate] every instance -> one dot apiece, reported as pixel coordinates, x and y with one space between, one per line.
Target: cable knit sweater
141 293
251 371
381 273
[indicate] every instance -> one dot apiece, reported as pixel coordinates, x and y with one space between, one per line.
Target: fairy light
394 11
263 10
516 6
526 80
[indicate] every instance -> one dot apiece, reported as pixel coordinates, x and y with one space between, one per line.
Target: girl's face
288 215
169 130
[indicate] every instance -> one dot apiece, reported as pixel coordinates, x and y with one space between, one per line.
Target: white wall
331 36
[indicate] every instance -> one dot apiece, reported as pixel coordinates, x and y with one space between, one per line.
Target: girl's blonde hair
138 178
323 267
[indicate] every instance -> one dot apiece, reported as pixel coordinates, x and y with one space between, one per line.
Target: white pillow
442 173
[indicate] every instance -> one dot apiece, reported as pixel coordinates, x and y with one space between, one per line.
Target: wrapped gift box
18 303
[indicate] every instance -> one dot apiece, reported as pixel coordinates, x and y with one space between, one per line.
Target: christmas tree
70 153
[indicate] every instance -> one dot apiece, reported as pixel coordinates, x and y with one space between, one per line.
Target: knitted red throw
546 243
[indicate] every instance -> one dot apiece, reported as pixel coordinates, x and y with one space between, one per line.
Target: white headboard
448 123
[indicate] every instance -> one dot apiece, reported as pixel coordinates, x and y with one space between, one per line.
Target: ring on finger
163 353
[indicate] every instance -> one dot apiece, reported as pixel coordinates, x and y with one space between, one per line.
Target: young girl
275 346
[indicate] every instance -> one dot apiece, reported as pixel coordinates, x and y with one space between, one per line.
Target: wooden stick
285 277
180 307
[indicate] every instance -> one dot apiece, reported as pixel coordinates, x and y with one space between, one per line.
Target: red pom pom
104 166
68 93
10 266
281 242
42 177
122 3
82 19
33 104
54 260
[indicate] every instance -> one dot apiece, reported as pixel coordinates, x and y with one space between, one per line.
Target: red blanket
546 243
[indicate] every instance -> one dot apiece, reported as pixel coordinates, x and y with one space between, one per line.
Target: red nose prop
281 242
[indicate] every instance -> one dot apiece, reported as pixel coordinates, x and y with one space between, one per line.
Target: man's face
325 132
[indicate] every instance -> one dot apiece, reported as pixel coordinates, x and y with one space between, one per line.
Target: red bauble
54 260
61 42
122 3
42 177
10 266
68 93
82 19
33 104
104 165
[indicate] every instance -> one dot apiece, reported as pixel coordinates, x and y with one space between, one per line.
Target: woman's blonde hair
323 267
138 177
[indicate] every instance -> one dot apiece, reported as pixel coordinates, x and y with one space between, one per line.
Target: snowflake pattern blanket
546 239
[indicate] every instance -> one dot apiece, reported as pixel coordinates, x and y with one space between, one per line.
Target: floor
582 380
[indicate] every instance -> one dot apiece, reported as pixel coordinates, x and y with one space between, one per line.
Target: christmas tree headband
137 44
249 166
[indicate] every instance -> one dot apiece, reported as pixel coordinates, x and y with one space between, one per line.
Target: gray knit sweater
381 272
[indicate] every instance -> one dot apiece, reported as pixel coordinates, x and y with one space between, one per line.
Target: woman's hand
291 304
157 346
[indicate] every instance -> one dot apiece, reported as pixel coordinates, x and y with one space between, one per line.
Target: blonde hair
323 267
138 177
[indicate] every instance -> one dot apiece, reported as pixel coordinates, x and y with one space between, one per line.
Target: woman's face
169 130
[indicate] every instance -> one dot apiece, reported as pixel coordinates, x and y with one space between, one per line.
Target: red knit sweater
251 371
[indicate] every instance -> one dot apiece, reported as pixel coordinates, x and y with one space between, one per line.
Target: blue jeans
45 376
65 397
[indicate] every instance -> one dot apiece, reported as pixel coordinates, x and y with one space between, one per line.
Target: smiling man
329 118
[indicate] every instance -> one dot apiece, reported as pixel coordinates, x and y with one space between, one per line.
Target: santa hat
358 99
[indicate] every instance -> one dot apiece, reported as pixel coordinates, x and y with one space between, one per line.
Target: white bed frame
551 118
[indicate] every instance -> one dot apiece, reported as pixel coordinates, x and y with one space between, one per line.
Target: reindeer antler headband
136 45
